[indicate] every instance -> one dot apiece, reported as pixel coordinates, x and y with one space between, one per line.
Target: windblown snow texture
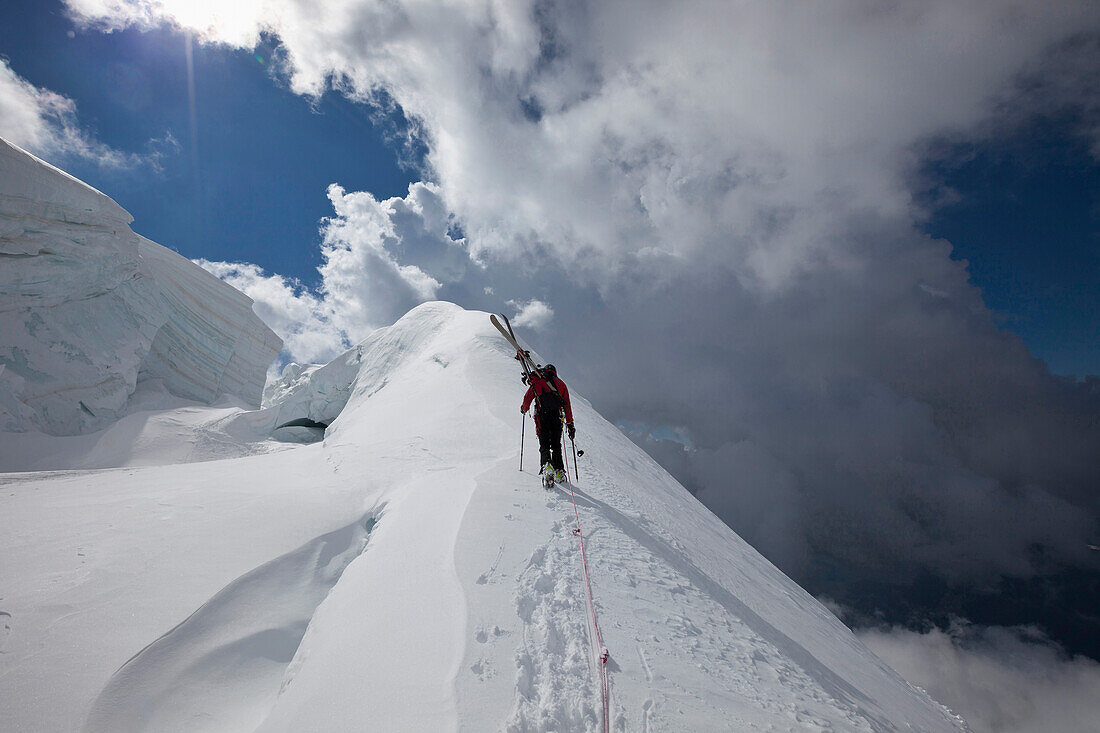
88 308
404 576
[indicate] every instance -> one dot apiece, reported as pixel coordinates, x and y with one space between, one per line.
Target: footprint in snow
483 669
482 634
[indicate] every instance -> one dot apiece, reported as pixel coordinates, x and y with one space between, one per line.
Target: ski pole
576 470
522 429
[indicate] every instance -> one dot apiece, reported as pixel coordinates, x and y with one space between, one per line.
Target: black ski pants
549 430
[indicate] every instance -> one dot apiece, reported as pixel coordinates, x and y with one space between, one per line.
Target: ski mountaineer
553 399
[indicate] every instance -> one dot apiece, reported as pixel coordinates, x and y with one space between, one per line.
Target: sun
236 22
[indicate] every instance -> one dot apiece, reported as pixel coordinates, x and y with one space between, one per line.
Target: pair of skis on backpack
523 356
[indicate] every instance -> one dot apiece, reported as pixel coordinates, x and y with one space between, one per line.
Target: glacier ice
88 309
312 391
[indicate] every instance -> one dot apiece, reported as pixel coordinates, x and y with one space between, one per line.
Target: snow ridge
465 612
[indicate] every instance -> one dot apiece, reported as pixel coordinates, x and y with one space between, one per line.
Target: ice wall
315 392
88 308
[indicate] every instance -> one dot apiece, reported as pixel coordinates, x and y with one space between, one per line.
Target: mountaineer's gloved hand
572 430
523 411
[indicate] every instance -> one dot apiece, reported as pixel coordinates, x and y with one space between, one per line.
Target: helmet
550 371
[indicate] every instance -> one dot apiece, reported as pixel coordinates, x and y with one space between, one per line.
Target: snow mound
403 575
88 309
158 429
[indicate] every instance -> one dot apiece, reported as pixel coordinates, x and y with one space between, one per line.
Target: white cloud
736 133
366 278
45 123
384 257
532 314
741 136
1001 680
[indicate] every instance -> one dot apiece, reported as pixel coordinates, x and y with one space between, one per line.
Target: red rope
602 652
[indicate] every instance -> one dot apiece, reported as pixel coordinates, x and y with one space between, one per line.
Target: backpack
550 401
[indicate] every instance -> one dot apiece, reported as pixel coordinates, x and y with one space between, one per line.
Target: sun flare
236 23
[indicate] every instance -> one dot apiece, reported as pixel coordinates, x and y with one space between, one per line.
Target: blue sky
1027 220
249 184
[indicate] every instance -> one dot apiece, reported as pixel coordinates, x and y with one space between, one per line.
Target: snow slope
88 309
404 576
157 428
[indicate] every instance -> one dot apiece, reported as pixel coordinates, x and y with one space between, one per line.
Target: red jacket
539 386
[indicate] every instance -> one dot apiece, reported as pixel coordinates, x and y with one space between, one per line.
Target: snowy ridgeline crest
400 574
88 309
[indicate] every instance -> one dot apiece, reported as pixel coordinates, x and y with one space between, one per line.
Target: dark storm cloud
876 415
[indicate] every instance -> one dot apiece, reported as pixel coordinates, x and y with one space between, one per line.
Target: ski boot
547 476
559 476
